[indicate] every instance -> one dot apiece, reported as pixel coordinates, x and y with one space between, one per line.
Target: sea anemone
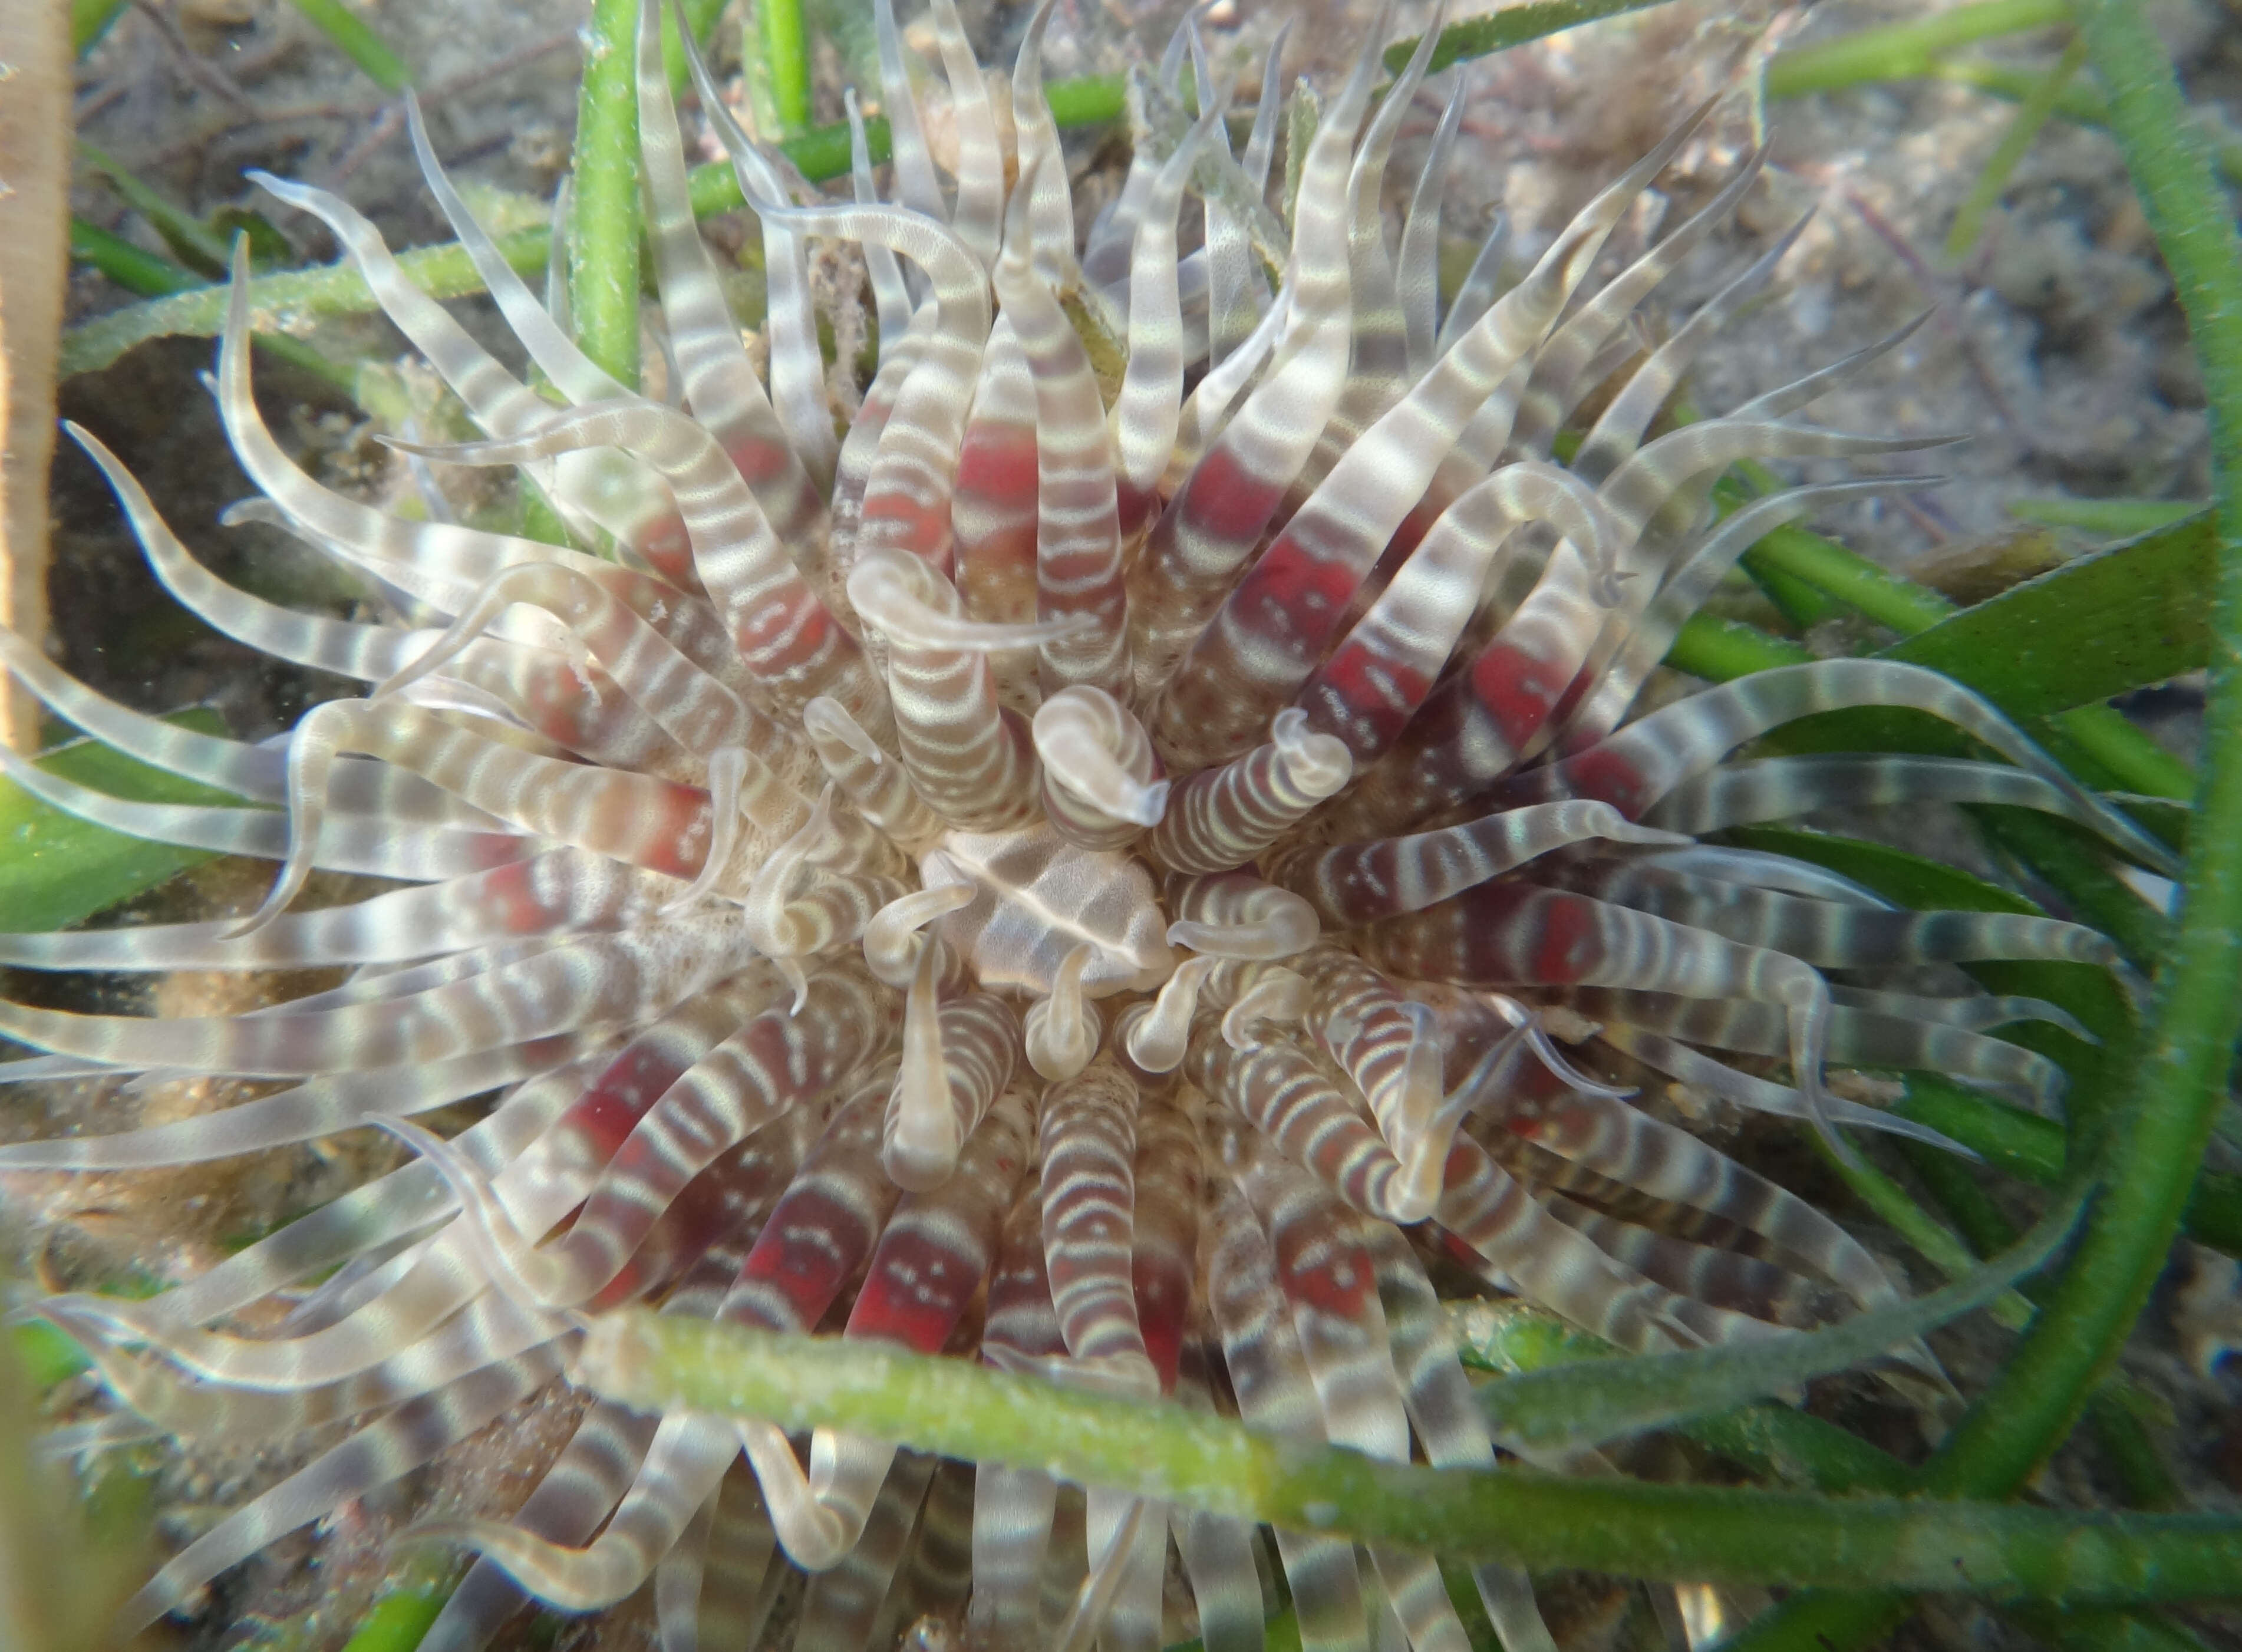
1070 873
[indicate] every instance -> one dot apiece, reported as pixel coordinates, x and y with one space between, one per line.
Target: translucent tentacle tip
911 604
892 940
1063 1030
921 1139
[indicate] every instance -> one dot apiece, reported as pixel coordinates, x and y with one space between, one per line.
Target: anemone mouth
1056 877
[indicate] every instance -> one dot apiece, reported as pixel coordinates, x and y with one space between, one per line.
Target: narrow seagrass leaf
1581 1405
57 870
2116 619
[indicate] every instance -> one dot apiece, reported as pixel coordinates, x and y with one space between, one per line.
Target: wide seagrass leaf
1581 1405
2122 618
60 869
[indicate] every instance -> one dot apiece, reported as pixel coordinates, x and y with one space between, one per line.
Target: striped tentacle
1660 489
1165 1179
931 1259
602 980
1325 1271
1639 766
375 1456
1388 1044
1277 1086
740 1575
1356 883
1221 818
1561 371
1828 933
1508 933
353 844
699 713
639 819
734 1193
1101 780
1235 914
842 1606
1088 1148
579 1491
784 637
568 700
1856 1036
684 1465
1982 1012
1704 1273
608 488
993 512
1077 530
678 1574
1546 1172
1013 1508
936 1577
1617 434
560 891
563 1127
1378 371
1218 1551
1417 260
417 1290
1237 288
1627 1144
779 1058
892 300
900 355
374 790
1042 164
824 1227
1510 699
1210 402
907 493
1272 629
1475 293
977 214
325 1106
438 562
1623 658
486 1331
1209 528
1276 1394
1150 401
1113 231
916 182
796 427
1700 1073
1495 1228
874 783
956 1060
820 1234
815 891
969 757
498 402
1783 788
1445 1414
1379 675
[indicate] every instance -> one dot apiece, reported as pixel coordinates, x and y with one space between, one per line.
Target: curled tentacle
1101 784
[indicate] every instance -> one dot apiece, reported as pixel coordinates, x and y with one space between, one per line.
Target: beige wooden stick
35 147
